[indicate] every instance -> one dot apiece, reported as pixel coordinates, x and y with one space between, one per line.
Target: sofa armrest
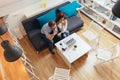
77 9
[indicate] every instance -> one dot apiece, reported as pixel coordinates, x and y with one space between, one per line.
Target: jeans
65 34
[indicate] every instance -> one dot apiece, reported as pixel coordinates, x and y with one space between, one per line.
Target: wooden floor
82 69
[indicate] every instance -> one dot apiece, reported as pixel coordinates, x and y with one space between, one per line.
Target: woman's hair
60 15
51 23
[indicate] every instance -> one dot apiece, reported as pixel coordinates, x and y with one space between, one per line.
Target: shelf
116 22
94 17
100 11
114 33
90 14
100 23
105 3
101 2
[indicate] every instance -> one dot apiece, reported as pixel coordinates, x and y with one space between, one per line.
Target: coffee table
71 53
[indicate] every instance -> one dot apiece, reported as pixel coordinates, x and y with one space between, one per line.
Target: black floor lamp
116 9
11 52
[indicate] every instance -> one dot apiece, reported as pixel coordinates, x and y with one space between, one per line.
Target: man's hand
51 36
54 32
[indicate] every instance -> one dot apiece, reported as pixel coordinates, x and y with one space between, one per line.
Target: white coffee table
71 54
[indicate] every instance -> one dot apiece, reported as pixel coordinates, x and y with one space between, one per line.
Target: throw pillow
51 15
68 9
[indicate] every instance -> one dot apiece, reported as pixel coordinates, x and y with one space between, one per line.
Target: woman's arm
65 25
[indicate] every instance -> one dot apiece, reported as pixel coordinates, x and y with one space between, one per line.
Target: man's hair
51 23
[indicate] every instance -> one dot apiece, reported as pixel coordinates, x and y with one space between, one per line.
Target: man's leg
50 44
57 38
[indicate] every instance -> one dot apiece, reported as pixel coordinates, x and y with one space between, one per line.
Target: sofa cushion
68 9
74 23
51 15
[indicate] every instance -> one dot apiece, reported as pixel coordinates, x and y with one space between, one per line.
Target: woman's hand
63 23
54 32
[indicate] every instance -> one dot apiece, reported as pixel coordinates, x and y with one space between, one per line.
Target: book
116 29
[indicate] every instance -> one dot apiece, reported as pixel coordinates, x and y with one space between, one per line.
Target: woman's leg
65 34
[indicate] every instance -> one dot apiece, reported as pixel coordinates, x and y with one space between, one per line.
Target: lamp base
116 9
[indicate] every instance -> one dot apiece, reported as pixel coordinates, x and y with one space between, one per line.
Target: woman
62 24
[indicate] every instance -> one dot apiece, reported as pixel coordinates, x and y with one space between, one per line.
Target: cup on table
75 46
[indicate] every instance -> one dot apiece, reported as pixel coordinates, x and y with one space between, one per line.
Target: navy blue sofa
32 28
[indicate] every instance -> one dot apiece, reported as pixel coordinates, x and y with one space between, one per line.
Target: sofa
32 26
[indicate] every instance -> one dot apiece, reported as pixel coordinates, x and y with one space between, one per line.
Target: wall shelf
100 11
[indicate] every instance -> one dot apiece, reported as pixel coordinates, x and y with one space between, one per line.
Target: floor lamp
116 9
11 52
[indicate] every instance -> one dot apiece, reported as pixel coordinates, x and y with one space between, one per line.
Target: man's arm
51 36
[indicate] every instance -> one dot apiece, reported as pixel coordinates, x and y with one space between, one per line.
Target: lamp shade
3 29
11 53
116 9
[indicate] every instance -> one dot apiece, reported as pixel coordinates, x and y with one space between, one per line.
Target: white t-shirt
63 28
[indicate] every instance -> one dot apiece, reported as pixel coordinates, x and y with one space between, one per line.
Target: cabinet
100 12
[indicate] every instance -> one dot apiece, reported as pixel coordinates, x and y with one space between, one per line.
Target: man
50 34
